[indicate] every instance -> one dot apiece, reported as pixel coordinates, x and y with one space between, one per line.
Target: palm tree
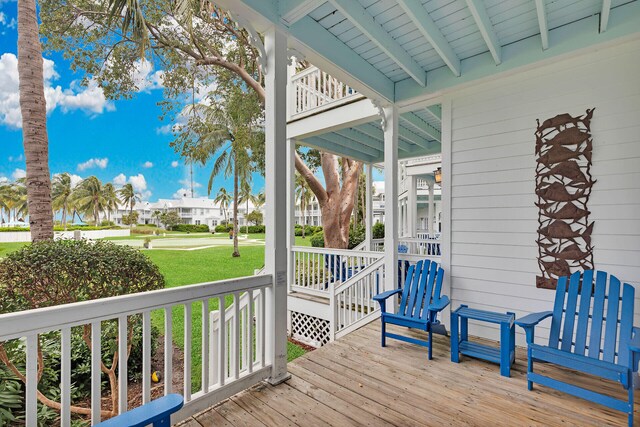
260 200
223 198
89 197
61 195
303 197
34 122
13 199
128 196
246 196
110 199
227 129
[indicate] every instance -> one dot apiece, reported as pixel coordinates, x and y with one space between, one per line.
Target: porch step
313 298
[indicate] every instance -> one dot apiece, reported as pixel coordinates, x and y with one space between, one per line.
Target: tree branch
314 183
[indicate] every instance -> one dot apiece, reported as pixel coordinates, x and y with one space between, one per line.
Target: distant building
197 210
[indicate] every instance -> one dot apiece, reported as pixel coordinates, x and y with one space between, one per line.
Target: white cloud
75 179
145 78
147 164
90 99
19 158
183 192
18 173
93 163
187 183
174 164
3 179
3 18
120 179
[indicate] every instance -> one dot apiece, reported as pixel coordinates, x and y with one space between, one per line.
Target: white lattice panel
309 329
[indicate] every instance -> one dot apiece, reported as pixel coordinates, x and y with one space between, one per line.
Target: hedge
191 228
61 228
223 228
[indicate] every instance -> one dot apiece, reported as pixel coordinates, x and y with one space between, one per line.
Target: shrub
297 231
256 229
377 231
191 228
223 228
356 236
106 223
317 240
57 272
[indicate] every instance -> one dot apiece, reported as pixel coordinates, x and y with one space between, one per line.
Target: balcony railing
313 90
236 361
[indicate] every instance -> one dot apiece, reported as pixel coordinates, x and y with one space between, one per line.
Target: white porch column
412 206
275 257
369 207
291 209
432 209
391 198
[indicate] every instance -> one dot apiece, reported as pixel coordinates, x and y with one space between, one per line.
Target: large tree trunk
236 251
34 122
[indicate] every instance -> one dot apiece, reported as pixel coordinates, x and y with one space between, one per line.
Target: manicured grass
6 248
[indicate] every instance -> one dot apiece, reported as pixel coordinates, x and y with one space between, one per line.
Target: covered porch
354 381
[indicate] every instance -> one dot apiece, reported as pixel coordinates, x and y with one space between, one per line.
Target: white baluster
187 351
65 377
122 364
96 360
222 342
146 357
31 399
236 336
205 345
168 351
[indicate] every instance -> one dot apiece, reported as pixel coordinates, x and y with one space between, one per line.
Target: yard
186 259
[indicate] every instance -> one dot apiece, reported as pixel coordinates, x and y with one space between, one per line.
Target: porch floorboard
354 381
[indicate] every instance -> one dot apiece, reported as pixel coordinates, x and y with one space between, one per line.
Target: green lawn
5 248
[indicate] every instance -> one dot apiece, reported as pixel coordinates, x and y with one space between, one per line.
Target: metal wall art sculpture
563 187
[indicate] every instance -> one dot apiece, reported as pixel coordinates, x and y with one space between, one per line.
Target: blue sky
84 129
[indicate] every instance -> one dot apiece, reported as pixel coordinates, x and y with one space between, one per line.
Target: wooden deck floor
356 382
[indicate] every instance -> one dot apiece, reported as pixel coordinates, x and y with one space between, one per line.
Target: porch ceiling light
437 174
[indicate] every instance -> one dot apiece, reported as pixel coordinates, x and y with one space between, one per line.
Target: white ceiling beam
361 138
435 111
350 143
291 11
542 22
361 19
416 139
420 17
479 12
338 149
375 132
422 126
604 16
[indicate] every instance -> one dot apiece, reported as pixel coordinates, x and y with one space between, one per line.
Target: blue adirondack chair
589 354
338 270
157 412
419 305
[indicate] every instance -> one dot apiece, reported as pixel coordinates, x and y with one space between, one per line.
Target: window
197 222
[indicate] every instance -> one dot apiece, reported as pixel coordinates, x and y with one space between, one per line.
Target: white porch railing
229 365
315 269
352 303
312 90
412 245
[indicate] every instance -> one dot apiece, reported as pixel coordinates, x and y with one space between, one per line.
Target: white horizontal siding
493 216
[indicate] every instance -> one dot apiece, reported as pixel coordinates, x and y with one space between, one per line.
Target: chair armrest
383 296
634 344
440 304
533 319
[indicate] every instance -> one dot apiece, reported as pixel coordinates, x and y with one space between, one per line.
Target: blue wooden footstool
504 356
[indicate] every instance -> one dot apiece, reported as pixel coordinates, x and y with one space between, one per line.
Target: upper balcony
312 91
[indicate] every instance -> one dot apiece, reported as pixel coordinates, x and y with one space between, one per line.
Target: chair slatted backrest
596 312
422 286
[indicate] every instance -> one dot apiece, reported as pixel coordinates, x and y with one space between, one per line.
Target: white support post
445 235
369 207
291 210
391 198
412 206
432 210
276 207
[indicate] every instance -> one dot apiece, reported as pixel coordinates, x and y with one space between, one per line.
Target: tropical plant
58 272
228 130
128 196
61 195
33 107
88 198
111 200
170 219
303 198
246 196
223 198
13 200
